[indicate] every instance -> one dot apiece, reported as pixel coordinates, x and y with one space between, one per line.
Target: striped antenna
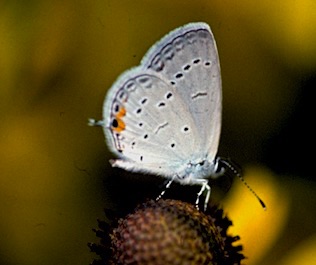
229 165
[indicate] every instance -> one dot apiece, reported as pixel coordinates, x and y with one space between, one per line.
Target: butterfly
163 117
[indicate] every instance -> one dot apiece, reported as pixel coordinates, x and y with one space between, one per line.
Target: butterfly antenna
238 174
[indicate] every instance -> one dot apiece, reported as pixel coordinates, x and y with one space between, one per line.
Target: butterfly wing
147 124
187 57
167 112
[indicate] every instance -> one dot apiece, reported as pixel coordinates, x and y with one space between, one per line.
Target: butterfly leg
204 186
166 187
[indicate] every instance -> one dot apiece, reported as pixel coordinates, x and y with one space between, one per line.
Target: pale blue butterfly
164 116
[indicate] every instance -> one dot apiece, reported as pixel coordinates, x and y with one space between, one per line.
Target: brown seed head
168 232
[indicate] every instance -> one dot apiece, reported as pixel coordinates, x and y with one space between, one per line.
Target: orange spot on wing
121 113
120 123
120 127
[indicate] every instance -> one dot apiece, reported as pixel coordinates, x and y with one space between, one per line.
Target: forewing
187 57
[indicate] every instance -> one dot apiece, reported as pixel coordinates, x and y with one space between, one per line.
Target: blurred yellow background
57 61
